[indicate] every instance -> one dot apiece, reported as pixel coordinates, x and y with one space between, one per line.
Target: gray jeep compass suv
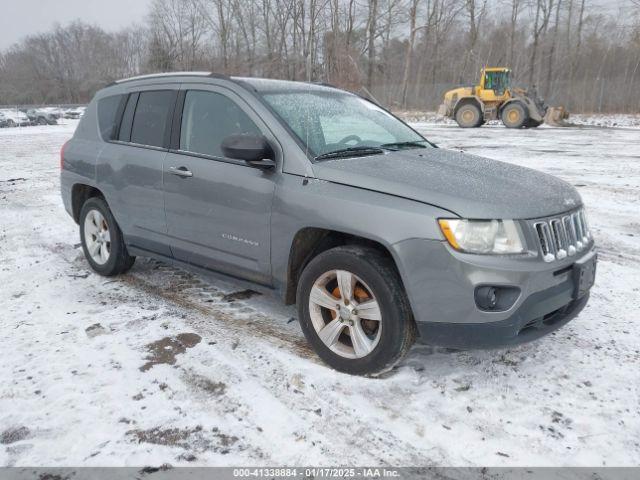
378 235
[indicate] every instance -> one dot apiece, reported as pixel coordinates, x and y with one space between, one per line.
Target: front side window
207 119
329 121
152 119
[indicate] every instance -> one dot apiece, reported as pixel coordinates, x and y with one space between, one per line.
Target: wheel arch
80 193
511 101
472 99
309 242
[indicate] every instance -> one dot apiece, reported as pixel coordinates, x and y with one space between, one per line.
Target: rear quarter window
108 109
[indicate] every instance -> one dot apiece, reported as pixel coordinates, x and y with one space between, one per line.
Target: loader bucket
556 116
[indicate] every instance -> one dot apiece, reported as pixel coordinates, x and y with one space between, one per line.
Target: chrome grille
563 236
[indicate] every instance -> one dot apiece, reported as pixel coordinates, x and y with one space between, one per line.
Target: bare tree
475 10
552 47
543 13
576 54
516 6
371 46
413 13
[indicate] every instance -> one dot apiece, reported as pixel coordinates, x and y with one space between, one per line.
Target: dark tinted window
108 109
151 121
207 119
127 118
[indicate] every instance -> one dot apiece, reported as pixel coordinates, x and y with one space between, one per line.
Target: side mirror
253 149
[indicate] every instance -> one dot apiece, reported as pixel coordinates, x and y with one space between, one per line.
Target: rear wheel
102 240
353 310
469 116
514 115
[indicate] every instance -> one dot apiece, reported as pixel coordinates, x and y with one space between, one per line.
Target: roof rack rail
168 74
326 84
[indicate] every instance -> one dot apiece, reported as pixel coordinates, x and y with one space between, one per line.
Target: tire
111 257
11 123
375 283
42 121
514 115
469 116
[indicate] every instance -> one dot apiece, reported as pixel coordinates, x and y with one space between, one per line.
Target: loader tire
514 115
469 116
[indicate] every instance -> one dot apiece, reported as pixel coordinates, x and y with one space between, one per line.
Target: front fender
301 203
471 98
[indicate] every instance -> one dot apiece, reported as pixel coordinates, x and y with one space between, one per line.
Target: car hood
467 185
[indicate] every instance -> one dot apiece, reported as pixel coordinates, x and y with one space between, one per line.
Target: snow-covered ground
578 119
164 366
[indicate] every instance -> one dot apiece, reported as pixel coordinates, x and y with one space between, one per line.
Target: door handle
181 172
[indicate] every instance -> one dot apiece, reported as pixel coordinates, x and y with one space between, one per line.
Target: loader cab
494 84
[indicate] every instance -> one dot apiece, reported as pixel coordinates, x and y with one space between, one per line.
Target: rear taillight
62 154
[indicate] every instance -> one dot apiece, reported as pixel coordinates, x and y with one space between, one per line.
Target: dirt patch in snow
95 330
13 435
166 349
207 385
13 180
241 295
195 438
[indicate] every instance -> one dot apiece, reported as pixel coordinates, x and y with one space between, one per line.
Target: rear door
132 166
218 209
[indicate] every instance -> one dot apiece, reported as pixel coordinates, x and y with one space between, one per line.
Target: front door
218 209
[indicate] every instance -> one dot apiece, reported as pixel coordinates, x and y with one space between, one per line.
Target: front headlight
483 236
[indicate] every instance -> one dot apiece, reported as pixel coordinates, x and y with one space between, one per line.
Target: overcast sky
19 18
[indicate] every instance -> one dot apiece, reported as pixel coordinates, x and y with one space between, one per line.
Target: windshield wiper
401 145
350 152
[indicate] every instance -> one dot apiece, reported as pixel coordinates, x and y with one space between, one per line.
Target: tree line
404 53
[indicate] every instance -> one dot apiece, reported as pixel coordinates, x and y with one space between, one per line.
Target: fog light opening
495 298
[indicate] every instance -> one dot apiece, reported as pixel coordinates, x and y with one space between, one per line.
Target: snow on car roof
274 85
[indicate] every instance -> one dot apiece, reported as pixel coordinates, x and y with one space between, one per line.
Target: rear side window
127 118
108 109
152 120
207 119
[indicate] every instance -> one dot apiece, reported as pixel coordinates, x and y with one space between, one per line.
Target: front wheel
353 310
102 240
514 115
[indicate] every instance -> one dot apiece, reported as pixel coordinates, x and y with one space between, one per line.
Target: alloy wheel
97 237
345 314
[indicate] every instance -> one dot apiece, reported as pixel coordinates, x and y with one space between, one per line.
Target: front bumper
441 284
527 324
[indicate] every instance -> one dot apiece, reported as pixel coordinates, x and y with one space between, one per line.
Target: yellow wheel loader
494 99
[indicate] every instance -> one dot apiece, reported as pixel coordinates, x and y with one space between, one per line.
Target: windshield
327 122
498 81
